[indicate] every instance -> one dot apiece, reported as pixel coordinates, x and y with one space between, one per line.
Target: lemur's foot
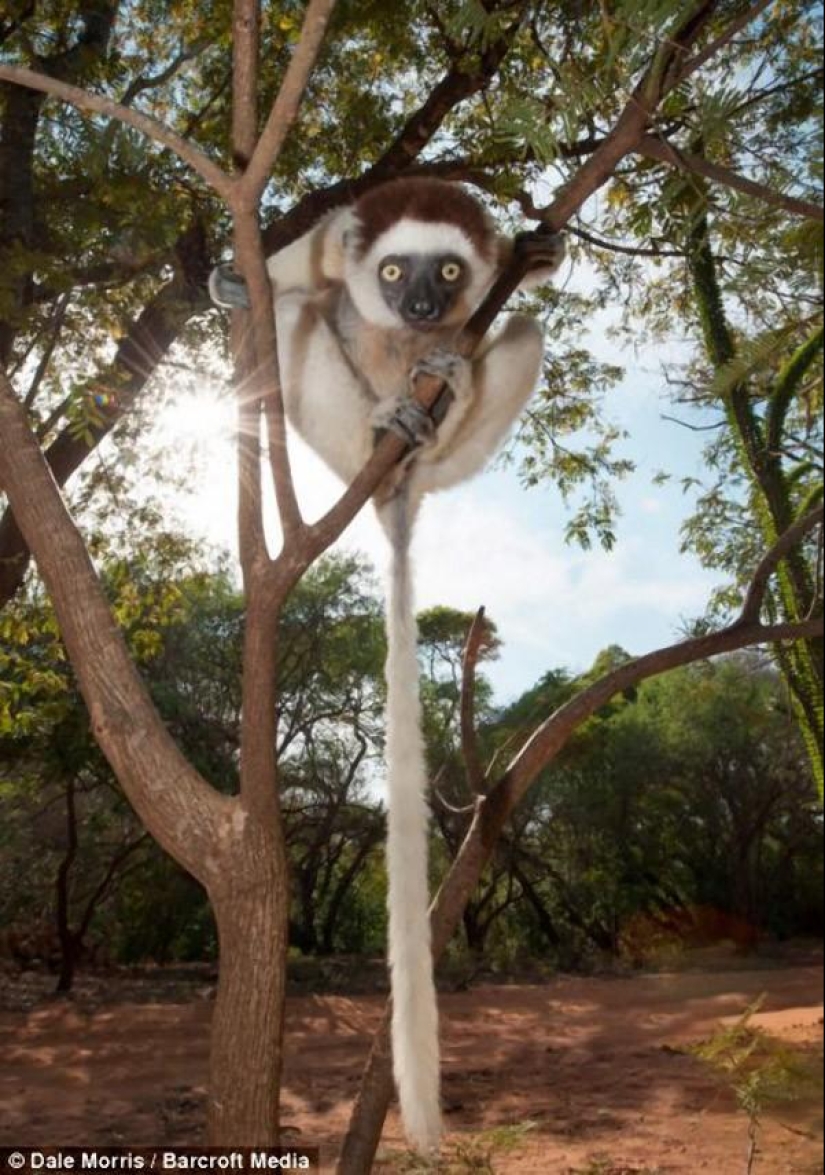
407 419
227 288
449 366
543 250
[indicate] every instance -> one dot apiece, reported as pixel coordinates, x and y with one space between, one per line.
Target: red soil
590 1070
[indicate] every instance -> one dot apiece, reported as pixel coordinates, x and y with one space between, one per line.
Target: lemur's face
422 288
418 276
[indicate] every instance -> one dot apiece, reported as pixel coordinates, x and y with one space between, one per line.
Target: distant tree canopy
683 811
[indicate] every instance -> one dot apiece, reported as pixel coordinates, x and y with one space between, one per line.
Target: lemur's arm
310 263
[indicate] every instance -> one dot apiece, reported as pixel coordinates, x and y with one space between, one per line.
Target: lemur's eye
391 272
451 271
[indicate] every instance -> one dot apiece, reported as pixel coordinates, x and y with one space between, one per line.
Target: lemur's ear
340 235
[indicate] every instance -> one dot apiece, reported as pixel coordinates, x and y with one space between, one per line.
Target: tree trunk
540 912
247 1026
69 945
474 930
69 955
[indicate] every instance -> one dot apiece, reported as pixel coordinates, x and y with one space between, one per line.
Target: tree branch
664 151
285 107
737 25
491 814
469 739
90 103
659 79
752 607
616 247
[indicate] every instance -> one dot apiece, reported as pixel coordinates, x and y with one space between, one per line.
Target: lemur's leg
323 397
503 375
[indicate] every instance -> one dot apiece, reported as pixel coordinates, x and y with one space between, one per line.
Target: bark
247 1023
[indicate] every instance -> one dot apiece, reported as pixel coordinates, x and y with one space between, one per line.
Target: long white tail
415 1008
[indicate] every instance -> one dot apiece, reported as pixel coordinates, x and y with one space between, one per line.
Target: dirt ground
576 1075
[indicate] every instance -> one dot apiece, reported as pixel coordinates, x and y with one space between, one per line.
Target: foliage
479 1154
185 624
681 812
761 1071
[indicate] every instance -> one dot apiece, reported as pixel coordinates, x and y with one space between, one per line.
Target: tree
235 845
718 196
673 813
771 437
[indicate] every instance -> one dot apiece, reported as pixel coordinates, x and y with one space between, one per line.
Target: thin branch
693 427
88 102
143 83
285 108
55 326
666 152
99 891
615 247
261 364
469 737
752 607
737 25
781 88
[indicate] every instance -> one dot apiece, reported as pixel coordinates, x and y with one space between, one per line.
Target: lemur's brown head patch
430 201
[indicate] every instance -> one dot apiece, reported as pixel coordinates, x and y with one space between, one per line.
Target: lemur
374 295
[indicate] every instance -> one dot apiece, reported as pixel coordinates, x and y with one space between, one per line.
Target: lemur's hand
542 249
228 289
406 418
448 366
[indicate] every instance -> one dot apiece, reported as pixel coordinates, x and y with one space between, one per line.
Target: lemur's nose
423 309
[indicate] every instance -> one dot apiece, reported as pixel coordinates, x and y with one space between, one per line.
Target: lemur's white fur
345 359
